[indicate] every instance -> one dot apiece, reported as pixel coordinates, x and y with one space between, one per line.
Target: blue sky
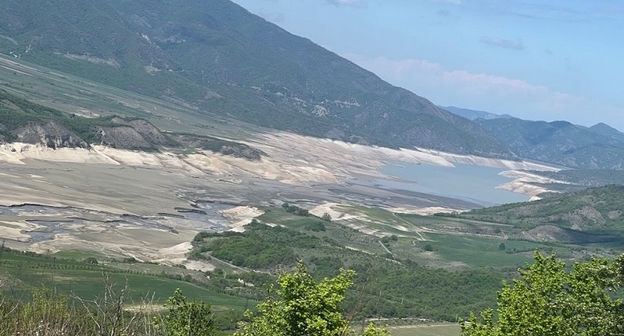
540 60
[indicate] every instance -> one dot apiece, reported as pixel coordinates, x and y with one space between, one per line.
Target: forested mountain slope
216 56
559 142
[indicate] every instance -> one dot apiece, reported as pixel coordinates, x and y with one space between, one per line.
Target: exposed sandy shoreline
292 159
240 216
521 183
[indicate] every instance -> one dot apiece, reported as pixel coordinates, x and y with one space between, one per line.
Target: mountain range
560 142
474 114
222 61
217 57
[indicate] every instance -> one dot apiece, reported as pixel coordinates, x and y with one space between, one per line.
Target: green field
21 273
428 240
483 251
426 330
344 235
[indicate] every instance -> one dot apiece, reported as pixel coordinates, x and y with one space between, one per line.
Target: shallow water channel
206 216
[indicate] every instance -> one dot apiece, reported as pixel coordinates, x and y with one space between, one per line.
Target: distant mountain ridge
608 131
217 57
474 114
559 142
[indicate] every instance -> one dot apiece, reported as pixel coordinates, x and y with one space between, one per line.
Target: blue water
470 183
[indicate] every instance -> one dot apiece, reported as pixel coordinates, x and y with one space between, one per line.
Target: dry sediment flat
154 186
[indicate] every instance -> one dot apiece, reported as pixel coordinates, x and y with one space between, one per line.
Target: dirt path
385 248
422 238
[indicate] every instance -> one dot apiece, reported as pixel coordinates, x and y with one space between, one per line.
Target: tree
316 227
186 318
327 217
302 212
305 308
502 246
548 300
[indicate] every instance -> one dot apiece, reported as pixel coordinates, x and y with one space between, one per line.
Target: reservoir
471 183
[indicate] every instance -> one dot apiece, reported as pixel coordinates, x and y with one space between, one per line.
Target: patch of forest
383 287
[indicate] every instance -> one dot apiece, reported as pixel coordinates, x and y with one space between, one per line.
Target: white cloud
351 3
482 91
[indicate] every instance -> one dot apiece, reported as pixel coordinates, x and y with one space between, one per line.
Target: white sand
522 183
334 210
16 230
292 159
426 211
15 153
199 265
240 216
488 162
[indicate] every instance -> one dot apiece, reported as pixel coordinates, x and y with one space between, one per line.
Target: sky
534 59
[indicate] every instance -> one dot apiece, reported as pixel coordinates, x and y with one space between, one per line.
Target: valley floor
149 205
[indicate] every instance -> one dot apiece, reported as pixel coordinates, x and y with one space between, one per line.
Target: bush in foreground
50 314
304 307
548 300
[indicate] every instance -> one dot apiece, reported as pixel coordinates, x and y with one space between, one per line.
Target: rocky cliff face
123 137
49 133
136 134
220 146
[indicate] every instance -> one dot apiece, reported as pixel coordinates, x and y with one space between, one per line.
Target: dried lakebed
42 223
150 205
164 238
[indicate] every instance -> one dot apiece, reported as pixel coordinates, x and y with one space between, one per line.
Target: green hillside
215 56
591 215
24 121
21 272
383 287
587 177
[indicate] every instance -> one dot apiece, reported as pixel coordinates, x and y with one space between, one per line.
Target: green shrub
315 227
185 318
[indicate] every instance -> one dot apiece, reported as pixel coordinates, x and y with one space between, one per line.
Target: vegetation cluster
548 299
16 113
590 215
382 287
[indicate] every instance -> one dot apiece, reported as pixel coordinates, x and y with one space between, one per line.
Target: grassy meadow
20 273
